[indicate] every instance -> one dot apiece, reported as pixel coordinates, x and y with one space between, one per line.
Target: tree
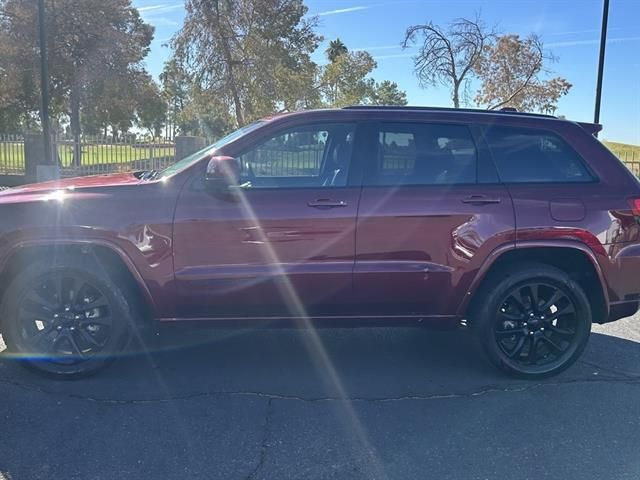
245 51
205 114
388 93
107 105
336 48
151 108
510 71
345 82
92 44
175 90
19 84
448 56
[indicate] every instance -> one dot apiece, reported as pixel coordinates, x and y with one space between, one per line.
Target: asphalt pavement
376 403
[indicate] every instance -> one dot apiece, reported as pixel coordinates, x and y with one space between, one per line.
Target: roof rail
504 111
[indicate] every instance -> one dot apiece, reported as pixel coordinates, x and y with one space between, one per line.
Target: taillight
635 206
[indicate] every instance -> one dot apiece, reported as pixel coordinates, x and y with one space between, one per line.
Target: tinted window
307 156
424 154
533 156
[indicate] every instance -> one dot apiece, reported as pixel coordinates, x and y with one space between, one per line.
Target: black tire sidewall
491 300
84 268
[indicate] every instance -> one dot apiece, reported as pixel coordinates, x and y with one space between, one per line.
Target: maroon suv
523 226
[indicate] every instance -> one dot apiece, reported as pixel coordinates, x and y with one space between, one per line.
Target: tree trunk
75 123
456 94
228 58
237 104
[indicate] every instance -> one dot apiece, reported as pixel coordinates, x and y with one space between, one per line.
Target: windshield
208 150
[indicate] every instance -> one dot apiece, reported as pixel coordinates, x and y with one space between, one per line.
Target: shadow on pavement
259 404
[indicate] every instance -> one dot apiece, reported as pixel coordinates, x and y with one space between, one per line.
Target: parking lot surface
377 403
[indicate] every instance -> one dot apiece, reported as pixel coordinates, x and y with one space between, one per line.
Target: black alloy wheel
534 320
65 319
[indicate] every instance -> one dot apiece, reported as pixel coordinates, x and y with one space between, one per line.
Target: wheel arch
117 264
573 257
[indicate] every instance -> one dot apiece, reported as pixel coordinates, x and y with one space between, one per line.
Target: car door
431 211
283 244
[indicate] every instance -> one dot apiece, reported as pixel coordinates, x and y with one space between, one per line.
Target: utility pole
44 85
603 45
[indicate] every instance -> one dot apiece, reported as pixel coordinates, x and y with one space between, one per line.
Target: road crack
484 390
264 445
614 371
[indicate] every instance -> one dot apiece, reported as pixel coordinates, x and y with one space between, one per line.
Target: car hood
94 181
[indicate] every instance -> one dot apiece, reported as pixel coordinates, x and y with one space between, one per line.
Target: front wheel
534 321
65 318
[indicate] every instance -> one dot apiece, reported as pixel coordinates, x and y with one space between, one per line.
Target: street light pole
44 85
603 45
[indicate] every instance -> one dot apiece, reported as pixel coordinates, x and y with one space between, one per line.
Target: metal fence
11 155
283 162
92 155
96 155
631 158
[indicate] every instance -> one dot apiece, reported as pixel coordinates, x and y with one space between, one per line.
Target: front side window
307 156
424 154
529 156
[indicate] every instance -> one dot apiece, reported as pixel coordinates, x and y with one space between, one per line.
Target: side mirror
222 172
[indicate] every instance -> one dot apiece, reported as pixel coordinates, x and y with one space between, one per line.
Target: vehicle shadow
372 363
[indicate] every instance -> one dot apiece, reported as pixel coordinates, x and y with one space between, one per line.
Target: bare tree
448 56
510 69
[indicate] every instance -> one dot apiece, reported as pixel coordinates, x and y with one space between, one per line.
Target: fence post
35 167
185 146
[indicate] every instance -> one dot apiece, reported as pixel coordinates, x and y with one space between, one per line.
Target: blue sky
569 29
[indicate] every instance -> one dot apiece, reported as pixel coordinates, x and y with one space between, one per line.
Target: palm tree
336 48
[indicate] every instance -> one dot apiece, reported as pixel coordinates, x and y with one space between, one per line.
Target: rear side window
423 154
526 156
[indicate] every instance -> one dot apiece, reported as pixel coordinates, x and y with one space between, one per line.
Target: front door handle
327 203
480 200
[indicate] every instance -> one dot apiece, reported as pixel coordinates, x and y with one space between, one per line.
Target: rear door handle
480 200
327 203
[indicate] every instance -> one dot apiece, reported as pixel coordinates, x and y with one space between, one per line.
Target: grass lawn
624 151
12 154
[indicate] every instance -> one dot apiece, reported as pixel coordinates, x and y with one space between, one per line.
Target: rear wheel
533 320
65 318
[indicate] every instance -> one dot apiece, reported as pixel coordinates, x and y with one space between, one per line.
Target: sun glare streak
56 195
312 341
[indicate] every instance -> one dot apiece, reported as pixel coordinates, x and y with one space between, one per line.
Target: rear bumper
623 278
622 310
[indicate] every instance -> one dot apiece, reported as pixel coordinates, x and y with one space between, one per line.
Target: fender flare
501 250
126 260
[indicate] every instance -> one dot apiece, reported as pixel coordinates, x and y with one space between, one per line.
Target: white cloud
151 7
576 32
157 14
366 7
595 41
160 8
343 10
373 49
162 21
396 55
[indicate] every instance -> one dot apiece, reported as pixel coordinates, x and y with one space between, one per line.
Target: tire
532 319
65 317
